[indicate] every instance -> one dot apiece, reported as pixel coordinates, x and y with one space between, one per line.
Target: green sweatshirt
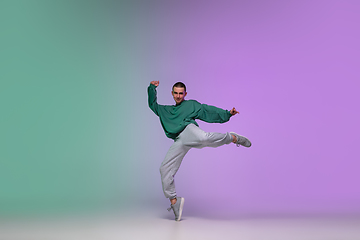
174 118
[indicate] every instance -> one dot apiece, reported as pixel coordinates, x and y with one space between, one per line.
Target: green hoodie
174 118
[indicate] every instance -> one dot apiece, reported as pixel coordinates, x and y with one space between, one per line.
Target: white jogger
191 137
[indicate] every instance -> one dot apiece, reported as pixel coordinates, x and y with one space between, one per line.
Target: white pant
191 137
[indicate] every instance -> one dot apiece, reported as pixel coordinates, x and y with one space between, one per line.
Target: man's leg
170 166
168 169
197 138
214 139
217 139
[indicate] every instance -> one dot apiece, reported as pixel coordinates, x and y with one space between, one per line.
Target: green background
68 106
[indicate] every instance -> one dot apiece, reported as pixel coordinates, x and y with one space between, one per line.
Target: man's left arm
213 114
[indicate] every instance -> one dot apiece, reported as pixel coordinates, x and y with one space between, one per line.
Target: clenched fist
233 111
155 83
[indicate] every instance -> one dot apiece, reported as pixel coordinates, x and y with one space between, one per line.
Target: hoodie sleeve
213 114
152 99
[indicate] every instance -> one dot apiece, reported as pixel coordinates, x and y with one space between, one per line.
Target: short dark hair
179 85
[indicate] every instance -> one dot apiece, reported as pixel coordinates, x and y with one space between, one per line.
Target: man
178 122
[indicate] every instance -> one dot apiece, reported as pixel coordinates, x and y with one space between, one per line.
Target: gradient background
77 134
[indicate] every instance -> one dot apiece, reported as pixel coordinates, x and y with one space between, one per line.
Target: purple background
292 70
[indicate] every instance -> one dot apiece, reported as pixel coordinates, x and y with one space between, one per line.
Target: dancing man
178 122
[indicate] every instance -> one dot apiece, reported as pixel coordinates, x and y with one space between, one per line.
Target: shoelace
169 209
240 141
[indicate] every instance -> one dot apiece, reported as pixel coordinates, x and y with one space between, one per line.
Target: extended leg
214 139
217 139
195 137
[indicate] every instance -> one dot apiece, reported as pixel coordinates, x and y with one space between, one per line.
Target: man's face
178 94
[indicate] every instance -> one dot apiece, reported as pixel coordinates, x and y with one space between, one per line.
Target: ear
185 94
172 93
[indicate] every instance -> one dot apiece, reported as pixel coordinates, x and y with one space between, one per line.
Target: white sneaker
241 140
177 208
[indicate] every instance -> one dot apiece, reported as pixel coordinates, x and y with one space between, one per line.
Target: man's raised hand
155 83
233 111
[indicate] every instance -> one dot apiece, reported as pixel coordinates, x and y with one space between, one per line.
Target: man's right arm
152 98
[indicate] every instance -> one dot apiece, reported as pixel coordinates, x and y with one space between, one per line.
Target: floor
150 225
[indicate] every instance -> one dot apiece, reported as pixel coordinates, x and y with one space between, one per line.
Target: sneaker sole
181 208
